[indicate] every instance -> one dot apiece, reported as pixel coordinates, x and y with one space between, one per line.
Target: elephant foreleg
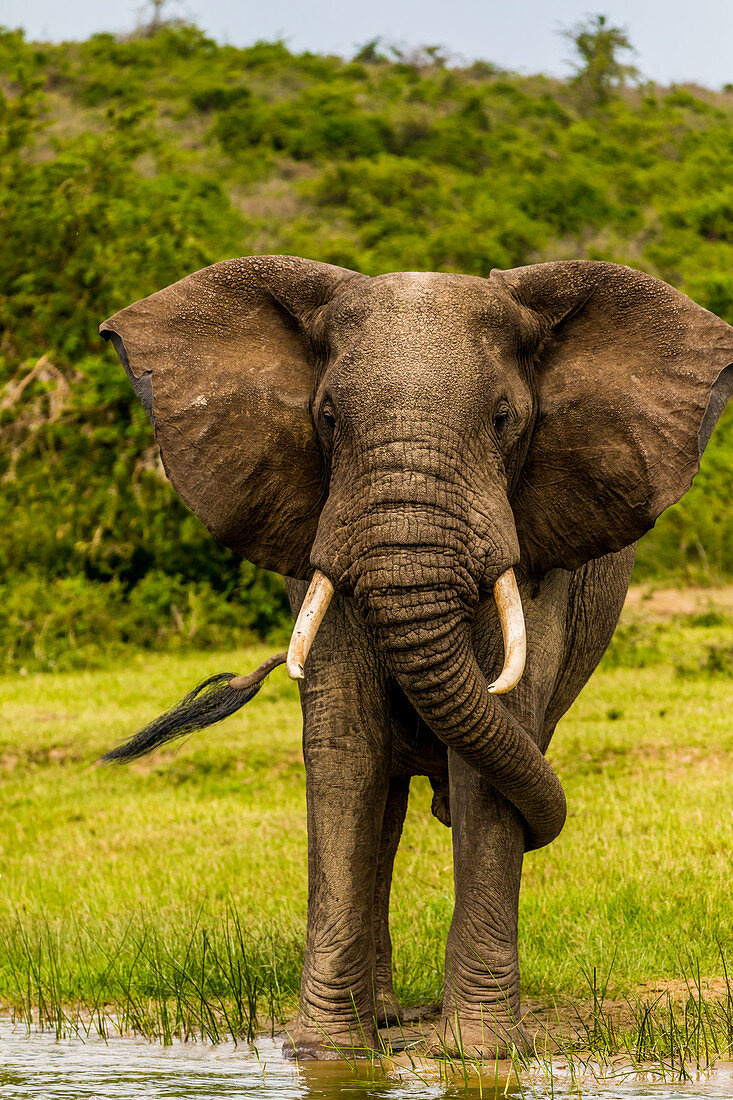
346 751
481 996
481 1008
345 804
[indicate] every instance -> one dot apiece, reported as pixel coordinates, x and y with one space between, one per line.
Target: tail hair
209 702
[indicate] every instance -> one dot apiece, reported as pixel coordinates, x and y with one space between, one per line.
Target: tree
370 51
153 15
599 72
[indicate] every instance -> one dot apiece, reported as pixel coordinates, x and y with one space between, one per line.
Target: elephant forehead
421 329
428 286
412 303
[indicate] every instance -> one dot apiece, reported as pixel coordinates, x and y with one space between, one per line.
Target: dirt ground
570 1020
662 603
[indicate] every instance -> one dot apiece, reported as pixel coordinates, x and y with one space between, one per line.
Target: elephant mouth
508 605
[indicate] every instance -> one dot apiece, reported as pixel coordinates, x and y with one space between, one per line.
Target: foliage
128 161
56 623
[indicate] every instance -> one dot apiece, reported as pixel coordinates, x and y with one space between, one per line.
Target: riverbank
180 882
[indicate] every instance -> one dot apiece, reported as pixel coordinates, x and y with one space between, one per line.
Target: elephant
451 472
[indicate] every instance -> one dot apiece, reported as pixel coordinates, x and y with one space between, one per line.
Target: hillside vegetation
126 162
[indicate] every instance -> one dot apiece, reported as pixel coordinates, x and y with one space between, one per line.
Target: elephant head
415 437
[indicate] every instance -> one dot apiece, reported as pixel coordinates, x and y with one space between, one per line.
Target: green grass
174 891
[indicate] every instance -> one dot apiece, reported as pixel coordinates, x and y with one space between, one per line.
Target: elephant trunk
417 556
426 641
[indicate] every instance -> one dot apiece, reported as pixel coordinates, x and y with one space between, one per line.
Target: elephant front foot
488 1039
312 1041
388 1009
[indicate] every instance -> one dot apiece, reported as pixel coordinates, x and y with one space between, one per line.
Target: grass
170 896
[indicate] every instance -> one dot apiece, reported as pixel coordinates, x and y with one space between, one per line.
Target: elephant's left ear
631 378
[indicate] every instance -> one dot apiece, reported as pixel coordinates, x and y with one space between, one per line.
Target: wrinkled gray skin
439 460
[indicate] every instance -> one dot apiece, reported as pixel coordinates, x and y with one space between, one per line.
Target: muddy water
37 1066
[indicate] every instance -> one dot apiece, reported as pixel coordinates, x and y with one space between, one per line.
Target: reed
210 985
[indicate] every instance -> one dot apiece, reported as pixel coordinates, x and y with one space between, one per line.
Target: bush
54 624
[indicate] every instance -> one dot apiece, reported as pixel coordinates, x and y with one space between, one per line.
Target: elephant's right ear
224 368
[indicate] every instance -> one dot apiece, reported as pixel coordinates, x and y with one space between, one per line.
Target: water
38 1066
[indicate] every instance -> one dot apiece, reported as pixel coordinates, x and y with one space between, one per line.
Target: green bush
318 124
61 623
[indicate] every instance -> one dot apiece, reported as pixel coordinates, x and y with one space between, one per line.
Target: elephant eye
328 415
501 416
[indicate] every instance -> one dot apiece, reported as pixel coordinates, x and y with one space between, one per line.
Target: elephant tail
209 702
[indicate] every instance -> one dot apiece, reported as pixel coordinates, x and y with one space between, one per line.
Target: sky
676 40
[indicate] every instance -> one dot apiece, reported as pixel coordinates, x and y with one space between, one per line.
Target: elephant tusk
509 606
310 617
